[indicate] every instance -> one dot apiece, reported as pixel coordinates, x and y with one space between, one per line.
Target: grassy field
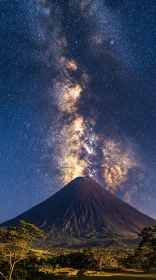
106 275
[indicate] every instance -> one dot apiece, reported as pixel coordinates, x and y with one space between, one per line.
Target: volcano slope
83 209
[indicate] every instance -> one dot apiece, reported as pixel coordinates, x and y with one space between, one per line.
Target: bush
76 260
27 269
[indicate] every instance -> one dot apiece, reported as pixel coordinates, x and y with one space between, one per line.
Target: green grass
123 275
107 274
117 277
70 274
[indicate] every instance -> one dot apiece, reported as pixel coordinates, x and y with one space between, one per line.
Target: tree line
18 262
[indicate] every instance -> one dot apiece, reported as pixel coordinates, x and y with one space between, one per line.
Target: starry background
114 43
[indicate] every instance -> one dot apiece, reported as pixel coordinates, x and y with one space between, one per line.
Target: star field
77 83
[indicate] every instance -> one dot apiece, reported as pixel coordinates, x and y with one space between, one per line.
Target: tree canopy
145 255
15 244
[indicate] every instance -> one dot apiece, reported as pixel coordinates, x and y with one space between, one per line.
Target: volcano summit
83 208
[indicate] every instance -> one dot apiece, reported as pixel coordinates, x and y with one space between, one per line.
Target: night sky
77 98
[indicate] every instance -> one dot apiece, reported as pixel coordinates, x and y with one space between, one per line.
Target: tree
145 255
146 251
15 244
76 260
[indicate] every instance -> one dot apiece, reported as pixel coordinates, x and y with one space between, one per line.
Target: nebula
118 161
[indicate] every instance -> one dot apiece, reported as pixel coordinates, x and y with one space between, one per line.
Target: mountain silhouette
83 207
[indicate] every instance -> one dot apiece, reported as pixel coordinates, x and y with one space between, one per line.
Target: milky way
85 138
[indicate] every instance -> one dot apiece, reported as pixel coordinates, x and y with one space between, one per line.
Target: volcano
82 208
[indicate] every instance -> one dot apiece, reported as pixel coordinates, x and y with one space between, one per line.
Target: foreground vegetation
106 274
18 261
